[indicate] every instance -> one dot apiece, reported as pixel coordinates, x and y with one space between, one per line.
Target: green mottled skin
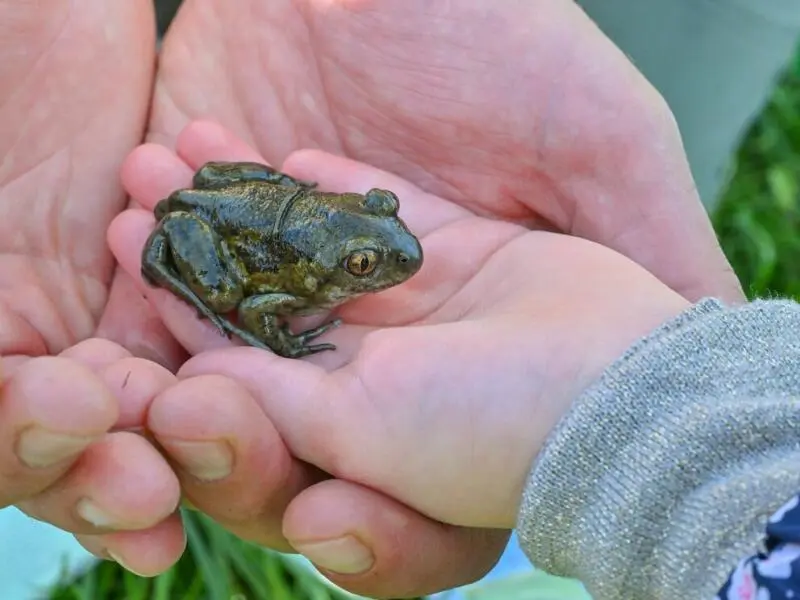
250 239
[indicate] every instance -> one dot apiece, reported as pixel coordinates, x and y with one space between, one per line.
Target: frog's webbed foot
286 344
157 273
262 329
306 336
220 174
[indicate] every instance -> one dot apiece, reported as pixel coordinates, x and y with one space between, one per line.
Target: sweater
662 475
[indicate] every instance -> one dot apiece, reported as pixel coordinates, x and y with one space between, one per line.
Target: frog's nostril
403 258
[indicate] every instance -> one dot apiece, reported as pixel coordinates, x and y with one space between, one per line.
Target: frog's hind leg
156 272
220 174
259 317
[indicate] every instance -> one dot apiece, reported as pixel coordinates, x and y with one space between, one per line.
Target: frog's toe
308 349
296 345
303 183
218 323
310 334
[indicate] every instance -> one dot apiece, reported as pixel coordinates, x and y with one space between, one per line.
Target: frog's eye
361 263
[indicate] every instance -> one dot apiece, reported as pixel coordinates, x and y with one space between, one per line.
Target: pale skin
504 331
555 156
74 93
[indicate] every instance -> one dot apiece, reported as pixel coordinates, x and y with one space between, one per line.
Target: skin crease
554 157
535 341
74 94
87 71
339 76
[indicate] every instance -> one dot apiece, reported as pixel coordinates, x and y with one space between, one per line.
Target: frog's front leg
185 256
261 327
221 174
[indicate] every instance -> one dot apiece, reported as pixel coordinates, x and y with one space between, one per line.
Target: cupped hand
75 85
520 110
415 435
71 453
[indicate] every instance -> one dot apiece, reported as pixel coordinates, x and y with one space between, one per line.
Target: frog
247 239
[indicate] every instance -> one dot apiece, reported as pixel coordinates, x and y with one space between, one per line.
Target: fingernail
116 558
39 448
91 513
208 461
344 555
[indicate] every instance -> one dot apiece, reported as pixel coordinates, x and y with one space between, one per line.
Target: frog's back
229 209
299 228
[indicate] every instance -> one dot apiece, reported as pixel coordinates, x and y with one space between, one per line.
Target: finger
134 382
203 141
96 353
319 414
131 321
146 553
674 240
373 546
51 410
151 172
118 483
231 462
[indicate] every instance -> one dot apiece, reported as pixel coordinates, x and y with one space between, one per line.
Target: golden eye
362 262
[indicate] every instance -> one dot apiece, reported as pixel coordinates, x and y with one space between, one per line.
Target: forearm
663 474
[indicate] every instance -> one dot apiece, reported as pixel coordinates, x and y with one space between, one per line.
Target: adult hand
74 93
519 311
521 110
74 96
70 454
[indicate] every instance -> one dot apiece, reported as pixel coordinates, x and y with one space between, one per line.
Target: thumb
305 402
654 216
679 246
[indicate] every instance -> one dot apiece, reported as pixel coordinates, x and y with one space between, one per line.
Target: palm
494 108
74 104
466 310
364 413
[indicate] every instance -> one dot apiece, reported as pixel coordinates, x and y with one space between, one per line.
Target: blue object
35 556
513 562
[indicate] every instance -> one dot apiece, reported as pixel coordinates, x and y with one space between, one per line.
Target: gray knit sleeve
663 474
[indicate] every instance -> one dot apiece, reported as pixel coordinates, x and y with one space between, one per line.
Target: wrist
687 438
579 355
618 331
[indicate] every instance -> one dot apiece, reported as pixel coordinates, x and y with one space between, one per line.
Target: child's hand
431 409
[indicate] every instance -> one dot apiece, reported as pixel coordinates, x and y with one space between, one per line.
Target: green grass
758 221
217 566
